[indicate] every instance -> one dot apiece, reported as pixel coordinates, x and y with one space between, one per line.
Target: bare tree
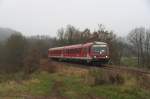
147 47
85 35
140 40
15 48
60 33
74 36
70 35
31 61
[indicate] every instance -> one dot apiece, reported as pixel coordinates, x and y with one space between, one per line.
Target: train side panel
79 52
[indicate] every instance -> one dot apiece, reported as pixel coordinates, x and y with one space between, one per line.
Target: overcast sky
32 17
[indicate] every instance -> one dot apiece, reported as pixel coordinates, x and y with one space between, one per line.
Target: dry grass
52 67
48 65
66 81
119 81
74 71
95 76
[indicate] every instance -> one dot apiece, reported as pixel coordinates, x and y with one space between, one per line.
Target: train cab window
99 48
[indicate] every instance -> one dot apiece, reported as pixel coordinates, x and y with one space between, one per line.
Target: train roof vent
101 43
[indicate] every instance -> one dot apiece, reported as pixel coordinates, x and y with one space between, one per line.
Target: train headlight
94 56
100 52
106 56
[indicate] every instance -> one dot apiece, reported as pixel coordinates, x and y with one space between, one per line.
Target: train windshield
99 48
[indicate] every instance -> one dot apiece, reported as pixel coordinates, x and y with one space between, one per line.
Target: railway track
131 70
141 76
107 67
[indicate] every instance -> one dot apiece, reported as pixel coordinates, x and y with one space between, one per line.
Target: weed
106 77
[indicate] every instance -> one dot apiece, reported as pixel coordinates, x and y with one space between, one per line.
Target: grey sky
46 16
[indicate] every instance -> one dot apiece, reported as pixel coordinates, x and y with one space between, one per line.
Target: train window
75 51
89 49
78 50
70 51
99 49
85 50
65 51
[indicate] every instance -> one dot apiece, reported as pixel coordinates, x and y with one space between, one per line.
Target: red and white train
89 52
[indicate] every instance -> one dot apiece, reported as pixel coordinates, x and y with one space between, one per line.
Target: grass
38 84
75 88
129 61
116 92
71 86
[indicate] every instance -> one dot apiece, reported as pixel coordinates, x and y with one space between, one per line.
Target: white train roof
99 43
79 45
55 48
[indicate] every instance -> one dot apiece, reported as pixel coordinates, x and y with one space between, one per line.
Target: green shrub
106 77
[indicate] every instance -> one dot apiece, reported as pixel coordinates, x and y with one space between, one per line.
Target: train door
84 51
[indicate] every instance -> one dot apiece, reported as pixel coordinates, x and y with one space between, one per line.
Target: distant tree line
136 45
72 35
140 41
24 53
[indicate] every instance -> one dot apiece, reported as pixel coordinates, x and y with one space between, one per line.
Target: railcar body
89 52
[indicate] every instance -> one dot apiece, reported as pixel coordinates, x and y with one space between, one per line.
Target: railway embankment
105 73
61 80
127 79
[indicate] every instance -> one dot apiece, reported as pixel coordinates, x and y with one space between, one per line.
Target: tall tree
140 40
31 60
15 48
147 47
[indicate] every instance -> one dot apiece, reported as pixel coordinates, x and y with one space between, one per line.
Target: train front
100 52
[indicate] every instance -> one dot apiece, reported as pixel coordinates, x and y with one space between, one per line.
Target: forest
18 52
26 73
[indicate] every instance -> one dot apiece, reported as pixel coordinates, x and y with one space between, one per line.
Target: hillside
5 33
61 80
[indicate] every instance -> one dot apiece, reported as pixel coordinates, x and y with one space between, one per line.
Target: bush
31 61
106 77
48 65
